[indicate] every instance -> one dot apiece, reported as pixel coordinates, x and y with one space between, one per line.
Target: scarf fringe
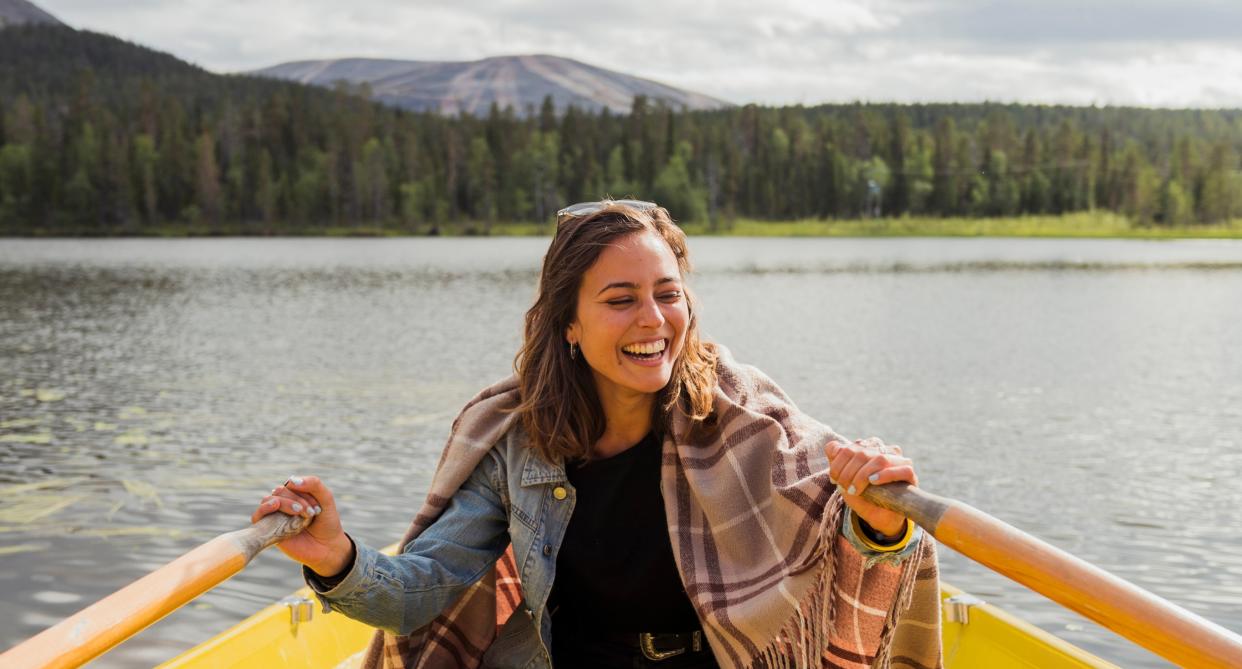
802 639
801 642
905 595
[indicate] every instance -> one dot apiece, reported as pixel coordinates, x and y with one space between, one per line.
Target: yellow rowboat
290 633
295 633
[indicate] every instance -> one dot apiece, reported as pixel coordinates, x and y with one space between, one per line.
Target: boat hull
989 637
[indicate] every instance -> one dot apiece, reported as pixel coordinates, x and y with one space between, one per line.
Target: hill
520 82
102 136
20 12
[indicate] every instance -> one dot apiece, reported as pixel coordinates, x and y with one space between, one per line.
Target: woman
634 497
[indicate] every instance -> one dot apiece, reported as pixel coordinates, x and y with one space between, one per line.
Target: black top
615 570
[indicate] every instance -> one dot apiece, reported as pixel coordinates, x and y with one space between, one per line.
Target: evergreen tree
207 201
1218 200
16 179
144 164
675 190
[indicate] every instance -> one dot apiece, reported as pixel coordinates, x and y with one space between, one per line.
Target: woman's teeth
648 350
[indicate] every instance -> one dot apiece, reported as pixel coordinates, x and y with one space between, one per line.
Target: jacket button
547 549
559 492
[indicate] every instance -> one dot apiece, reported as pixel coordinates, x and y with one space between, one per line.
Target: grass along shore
1081 224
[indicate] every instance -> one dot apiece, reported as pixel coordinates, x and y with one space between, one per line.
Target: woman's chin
645 380
651 379
639 376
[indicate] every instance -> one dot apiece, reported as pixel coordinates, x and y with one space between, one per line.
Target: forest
99 136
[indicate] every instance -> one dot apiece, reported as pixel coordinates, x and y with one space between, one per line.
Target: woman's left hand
856 465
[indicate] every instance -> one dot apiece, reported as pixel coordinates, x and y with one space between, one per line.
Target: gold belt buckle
647 645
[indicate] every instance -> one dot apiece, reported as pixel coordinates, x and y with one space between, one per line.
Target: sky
1184 53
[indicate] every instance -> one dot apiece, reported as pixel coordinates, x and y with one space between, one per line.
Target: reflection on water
152 391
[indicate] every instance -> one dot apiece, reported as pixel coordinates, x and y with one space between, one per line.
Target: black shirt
615 570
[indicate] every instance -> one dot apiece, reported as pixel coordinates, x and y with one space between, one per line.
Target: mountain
20 12
521 82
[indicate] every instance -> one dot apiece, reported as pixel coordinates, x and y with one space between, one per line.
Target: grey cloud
1025 23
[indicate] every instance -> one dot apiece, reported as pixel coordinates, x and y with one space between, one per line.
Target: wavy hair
560 408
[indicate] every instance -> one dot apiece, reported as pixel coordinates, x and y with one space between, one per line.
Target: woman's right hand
323 545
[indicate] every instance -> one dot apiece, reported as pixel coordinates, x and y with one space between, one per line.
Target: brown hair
559 408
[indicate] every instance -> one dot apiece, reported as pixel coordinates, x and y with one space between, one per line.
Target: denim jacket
513 496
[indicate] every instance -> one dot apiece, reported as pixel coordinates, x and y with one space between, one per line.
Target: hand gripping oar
90 632
1158 625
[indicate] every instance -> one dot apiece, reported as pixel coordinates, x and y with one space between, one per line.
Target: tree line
100 136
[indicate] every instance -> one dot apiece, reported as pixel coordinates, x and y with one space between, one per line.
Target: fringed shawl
756 532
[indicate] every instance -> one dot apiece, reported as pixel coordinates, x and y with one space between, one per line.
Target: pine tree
207 180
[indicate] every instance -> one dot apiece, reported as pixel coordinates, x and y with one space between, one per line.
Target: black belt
659 646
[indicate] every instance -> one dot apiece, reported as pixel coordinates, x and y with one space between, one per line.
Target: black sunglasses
588 208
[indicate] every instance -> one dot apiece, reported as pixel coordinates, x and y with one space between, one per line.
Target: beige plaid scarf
755 525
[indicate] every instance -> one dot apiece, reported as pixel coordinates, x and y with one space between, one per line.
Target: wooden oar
92 631
1158 625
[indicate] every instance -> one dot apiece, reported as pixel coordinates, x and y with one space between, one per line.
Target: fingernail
318 510
874 477
850 491
297 508
271 502
295 480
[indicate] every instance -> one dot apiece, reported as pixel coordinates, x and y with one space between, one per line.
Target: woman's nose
650 316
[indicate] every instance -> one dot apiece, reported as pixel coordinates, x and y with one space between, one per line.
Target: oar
1158 625
90 632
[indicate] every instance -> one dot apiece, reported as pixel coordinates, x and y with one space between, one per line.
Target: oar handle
269 531
94 630
1156 624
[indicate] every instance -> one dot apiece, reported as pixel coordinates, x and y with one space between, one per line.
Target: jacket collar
537 471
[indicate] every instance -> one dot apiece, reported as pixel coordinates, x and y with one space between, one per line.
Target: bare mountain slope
518 81
19 12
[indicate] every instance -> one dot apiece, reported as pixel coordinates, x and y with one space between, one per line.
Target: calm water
1088 392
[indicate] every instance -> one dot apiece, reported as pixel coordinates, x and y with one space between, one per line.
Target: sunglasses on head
588 208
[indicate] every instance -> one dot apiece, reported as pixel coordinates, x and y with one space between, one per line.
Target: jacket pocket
528 506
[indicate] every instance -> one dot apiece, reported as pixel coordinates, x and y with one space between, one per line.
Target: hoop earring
573 351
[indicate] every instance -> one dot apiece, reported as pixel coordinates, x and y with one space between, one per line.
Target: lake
151 391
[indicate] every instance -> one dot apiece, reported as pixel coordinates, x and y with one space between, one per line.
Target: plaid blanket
756 529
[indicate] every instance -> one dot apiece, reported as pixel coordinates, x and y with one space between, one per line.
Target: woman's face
632 316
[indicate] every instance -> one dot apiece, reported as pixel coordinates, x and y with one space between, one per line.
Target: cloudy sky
1183 53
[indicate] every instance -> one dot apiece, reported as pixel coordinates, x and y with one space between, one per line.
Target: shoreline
1081 225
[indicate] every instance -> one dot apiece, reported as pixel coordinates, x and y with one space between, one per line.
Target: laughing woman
634 497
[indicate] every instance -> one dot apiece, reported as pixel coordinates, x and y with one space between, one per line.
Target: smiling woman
634 497
613 288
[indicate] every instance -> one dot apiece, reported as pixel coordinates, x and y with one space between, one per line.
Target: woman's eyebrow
634 286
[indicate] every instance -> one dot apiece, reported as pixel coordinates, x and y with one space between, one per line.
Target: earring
573 351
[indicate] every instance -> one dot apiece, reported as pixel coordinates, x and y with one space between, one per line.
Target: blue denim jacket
512 496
